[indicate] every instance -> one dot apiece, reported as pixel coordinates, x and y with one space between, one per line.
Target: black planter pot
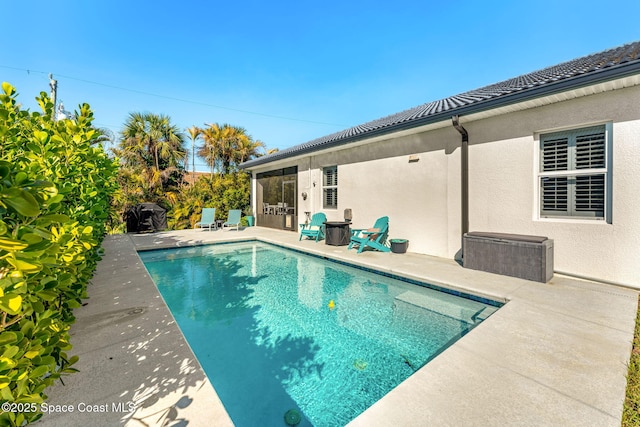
399 246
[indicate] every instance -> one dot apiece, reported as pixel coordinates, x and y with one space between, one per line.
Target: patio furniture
207 219
233 219
315 229
399 246
375 237
517 255
337 233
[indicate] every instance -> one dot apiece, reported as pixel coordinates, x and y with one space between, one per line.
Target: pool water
276 329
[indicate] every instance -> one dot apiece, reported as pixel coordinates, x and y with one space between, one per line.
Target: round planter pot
399 246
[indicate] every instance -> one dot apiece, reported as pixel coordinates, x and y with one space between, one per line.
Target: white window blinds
573 173
330 187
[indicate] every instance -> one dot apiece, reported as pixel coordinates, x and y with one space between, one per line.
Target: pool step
226 249
464 310
484 313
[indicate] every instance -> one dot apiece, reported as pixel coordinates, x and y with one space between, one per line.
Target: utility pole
54 89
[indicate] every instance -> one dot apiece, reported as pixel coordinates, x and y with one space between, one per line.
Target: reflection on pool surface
276 329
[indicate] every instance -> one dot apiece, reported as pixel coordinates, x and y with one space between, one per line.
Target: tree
151 155
55 190
194 133
213 139
152 140
248 149
225 146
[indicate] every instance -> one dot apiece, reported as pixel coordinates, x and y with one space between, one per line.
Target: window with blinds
330 187
574 173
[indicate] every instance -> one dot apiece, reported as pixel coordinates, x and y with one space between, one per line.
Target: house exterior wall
503 159
422 198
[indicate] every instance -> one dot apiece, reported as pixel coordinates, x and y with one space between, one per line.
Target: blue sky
289 71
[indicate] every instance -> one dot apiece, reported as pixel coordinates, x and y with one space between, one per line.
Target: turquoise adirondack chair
375 237
208 219
315 229
233 219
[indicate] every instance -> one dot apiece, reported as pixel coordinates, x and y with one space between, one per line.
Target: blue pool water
276 329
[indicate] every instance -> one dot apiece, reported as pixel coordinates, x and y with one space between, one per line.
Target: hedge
56 183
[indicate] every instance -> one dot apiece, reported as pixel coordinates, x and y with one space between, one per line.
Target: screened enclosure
276 195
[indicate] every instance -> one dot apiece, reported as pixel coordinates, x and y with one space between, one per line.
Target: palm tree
105 137
236 137
150 141
209 150
131 146
194 133
226 146
248 149
152 138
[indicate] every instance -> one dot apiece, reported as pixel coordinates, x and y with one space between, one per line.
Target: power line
177 99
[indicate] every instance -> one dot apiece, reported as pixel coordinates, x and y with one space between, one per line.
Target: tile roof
607 65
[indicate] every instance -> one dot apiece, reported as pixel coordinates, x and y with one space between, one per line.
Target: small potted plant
249 219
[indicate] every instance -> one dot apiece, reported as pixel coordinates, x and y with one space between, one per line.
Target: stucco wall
422 199
503 187
378 179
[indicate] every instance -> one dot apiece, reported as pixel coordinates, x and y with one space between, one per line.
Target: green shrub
222 191
56 183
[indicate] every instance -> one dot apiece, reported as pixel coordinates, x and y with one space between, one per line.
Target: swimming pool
276 330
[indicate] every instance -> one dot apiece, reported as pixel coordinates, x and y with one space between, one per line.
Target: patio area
555 354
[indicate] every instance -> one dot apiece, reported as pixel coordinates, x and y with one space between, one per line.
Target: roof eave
570 83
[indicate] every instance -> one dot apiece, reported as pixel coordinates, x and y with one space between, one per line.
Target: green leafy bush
56 183
222 191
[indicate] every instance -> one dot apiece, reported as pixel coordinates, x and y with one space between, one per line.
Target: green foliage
223 192
226 146
631 411
56 183
151 154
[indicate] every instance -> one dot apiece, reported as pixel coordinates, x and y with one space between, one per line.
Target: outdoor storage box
526 257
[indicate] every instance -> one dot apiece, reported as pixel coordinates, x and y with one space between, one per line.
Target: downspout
464 166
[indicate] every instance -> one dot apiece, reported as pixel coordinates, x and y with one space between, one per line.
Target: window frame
328 187
573 173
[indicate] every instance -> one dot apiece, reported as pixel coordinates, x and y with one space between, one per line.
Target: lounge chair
208 219
315 229
375 237
233 219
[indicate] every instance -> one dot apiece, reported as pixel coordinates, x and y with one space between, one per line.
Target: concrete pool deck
555 354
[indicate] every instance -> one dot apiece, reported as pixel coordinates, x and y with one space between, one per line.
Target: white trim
329 187
606 171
